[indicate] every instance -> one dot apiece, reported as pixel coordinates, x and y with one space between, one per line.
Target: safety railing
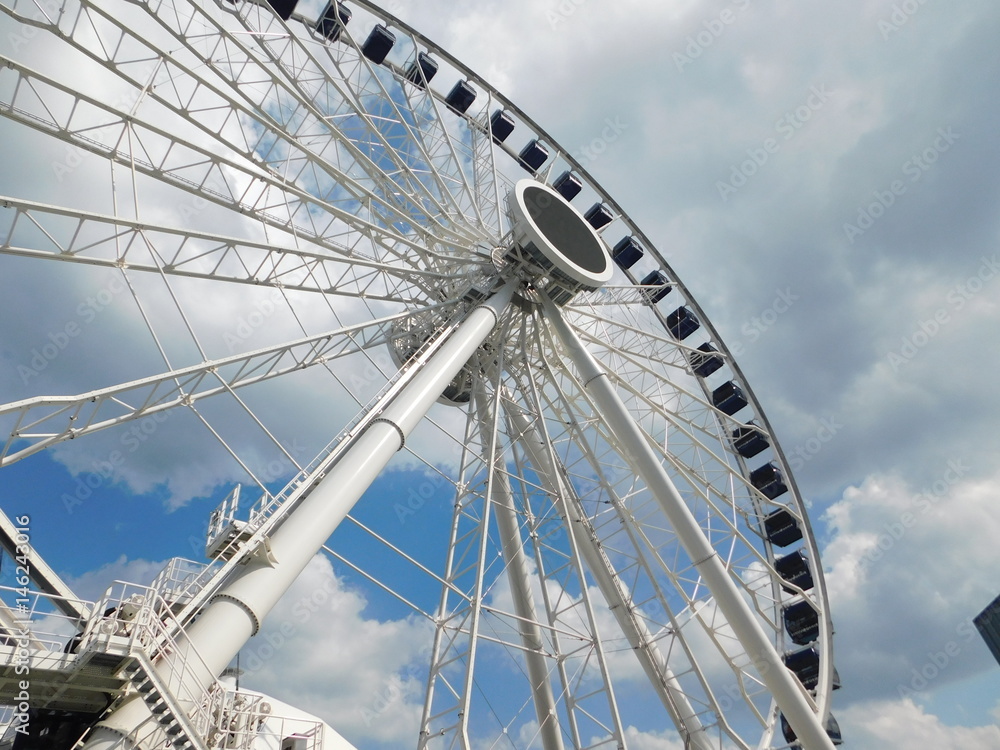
32 620
245 721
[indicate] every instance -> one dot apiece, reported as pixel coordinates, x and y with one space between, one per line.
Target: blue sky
824 180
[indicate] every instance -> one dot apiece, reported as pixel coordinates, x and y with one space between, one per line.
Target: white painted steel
519 575
45 421
582 255
645 647
788 693
332 180
236 612
17 544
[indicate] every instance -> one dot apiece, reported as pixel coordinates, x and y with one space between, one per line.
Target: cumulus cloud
92 585
322 652
652 740
905 724
906 575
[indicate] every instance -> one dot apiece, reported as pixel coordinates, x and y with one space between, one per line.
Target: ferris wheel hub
555 243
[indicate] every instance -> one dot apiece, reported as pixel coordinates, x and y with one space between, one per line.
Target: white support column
788 693
235 613
617 596
519 575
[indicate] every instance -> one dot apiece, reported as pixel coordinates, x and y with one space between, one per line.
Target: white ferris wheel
602 510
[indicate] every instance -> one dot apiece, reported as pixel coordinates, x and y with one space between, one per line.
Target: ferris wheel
322 206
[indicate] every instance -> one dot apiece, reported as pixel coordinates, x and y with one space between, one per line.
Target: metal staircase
83 658
110 657
173 720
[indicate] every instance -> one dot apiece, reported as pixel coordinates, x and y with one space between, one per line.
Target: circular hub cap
553 236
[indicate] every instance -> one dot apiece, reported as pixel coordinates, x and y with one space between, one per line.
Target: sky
823 178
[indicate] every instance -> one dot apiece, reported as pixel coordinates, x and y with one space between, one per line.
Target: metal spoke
114 242
46 420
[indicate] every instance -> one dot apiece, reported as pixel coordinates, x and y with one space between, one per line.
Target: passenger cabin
283 8
781 528
794 569
728 398
660 289
627 252
768 480
568 185
333 20
832 730
422 70
533 155
378 44
598 215
749 441
461 97
705 360
682 323
501 125
801 622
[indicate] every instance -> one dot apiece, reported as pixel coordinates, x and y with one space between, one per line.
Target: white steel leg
519 575
788 693
235 613
653 662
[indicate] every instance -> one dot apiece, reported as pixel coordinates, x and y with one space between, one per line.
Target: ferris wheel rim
675 282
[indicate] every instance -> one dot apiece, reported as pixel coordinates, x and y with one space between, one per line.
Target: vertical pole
613 590
235 613
788 693
519 575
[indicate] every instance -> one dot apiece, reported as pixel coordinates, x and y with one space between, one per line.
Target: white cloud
92 585
321 652
881 724
906 575
652 740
